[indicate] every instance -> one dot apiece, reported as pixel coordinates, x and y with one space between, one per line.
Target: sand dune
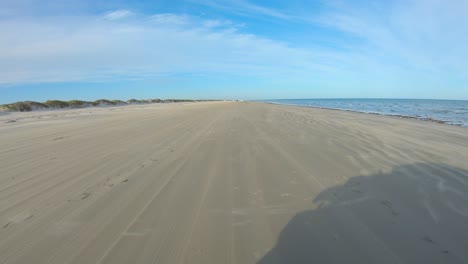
230 182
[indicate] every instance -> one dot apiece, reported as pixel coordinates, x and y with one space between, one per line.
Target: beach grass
27 106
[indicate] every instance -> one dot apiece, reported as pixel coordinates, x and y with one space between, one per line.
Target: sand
230 182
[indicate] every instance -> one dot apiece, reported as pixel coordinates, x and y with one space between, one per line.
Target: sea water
453 112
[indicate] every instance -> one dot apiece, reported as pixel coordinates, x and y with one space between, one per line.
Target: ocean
453 112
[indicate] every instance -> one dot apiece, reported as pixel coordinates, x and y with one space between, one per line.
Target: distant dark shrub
23 107
78 103
57 104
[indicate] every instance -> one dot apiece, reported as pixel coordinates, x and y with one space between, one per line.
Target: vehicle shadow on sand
416 213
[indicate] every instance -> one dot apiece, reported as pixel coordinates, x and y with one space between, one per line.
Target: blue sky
233 49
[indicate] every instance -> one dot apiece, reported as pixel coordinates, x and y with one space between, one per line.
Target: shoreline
374 113
9 117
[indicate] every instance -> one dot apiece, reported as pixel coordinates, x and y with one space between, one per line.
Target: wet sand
230 182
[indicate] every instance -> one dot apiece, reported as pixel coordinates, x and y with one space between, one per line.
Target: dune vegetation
27 106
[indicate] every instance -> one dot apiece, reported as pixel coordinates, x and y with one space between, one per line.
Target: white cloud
118 14
426 35
216 23
244 7
257 9
88 48
171 19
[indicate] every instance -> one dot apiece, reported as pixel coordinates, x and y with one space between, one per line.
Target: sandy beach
230 182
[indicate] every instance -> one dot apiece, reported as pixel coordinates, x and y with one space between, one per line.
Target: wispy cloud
88 48
425 35
243 7
216 23
171 19
118 14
